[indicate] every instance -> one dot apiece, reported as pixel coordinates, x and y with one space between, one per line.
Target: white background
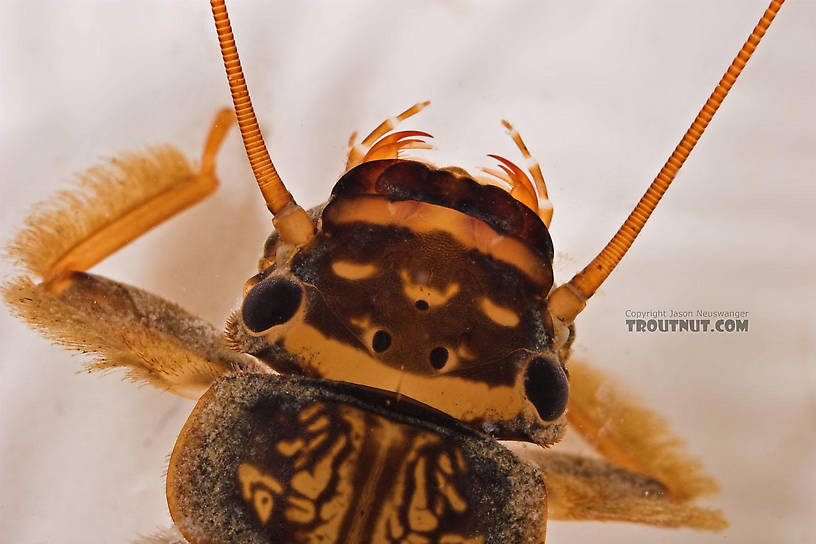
601 91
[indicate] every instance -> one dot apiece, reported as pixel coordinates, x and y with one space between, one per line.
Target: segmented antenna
569 299
290 219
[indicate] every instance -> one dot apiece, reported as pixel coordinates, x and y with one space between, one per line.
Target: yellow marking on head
420 291
353 271
499 314
463 352
333 359
362 322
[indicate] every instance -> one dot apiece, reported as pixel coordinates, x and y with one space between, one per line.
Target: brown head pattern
423 282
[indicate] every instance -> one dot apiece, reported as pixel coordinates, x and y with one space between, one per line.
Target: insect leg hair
169 536
121 326
583 488
113 204
632 436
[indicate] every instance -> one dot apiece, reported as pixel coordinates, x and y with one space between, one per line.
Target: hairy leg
119 325
583 488
632 436
169 536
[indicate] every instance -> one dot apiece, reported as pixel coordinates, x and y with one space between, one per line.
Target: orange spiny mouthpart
534 168
586 282
272 188
388 147
389 124
361 152
522 188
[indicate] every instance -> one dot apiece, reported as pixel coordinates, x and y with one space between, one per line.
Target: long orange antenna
569 299
291 220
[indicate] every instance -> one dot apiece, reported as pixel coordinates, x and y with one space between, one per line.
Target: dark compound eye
271 302
438 358
381 341
547 387
421 305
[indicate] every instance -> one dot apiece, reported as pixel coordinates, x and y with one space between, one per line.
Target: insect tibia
74 229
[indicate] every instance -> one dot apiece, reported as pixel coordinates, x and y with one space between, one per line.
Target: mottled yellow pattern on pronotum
422 494
288 448
423 513
262 499
311 483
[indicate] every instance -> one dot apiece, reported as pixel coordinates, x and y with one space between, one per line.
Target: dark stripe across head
411 195
399 180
